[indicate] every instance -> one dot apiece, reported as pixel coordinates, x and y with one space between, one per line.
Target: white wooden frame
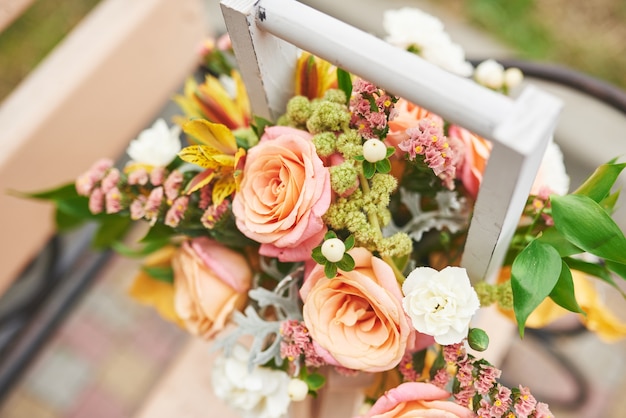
266 34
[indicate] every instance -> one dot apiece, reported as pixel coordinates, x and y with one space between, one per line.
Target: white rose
257 393
440 303
552 174
409 26
156 146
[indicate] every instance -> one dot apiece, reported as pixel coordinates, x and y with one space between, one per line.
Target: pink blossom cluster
143 193
476 377
371 109
296 342
441 154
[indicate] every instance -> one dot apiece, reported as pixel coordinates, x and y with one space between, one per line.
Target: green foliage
344 82
535 272
163 274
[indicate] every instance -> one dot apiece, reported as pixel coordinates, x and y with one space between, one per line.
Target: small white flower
490 73
298 390
412 27
374 150
257 393
156 146
440 303
333 249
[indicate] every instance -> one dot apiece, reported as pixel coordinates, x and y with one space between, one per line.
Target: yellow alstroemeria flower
216 151
211 101
156 293
314 76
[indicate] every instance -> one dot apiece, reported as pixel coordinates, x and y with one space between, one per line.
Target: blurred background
80 78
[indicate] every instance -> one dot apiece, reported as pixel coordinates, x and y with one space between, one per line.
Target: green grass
583 35
34 34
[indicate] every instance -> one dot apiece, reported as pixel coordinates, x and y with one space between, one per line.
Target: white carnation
156 146
440 303
411 27
257 393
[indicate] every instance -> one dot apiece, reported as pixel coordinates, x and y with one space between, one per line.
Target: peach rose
356 319
284 192
210 281
477 150
416 399
408 116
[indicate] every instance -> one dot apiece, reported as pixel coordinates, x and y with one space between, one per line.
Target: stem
373 219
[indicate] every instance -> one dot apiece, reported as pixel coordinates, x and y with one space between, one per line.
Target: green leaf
592 269
65 191
259 126
330 234
344 82
359 158
163 274
599 184
553 237
349 242
315 381
609 202
419 360
438 364
587 225
330 270
368 169
383 166
142 251
77 207
317 255
346 263
65 222
534 273
390 152
617 268
158 232
563 293
111 229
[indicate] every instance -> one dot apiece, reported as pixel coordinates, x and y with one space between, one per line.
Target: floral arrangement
331 237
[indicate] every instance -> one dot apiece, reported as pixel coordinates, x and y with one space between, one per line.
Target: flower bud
297 389
374 150
333 249
513 77
489 73
478 339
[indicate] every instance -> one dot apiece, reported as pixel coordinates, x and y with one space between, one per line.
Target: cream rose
210 282
440 303
356 318
284 192
416 399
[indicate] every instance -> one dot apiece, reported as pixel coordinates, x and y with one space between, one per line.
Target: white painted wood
520 130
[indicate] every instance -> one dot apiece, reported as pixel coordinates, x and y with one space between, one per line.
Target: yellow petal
156 293
201 155
223 188
214 135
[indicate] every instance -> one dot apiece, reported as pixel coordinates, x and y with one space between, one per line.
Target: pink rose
284 193
477 151
416 399
210 282
408 116
356 319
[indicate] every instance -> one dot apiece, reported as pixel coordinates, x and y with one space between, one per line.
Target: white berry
513 77
333 249
374 150
297 390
